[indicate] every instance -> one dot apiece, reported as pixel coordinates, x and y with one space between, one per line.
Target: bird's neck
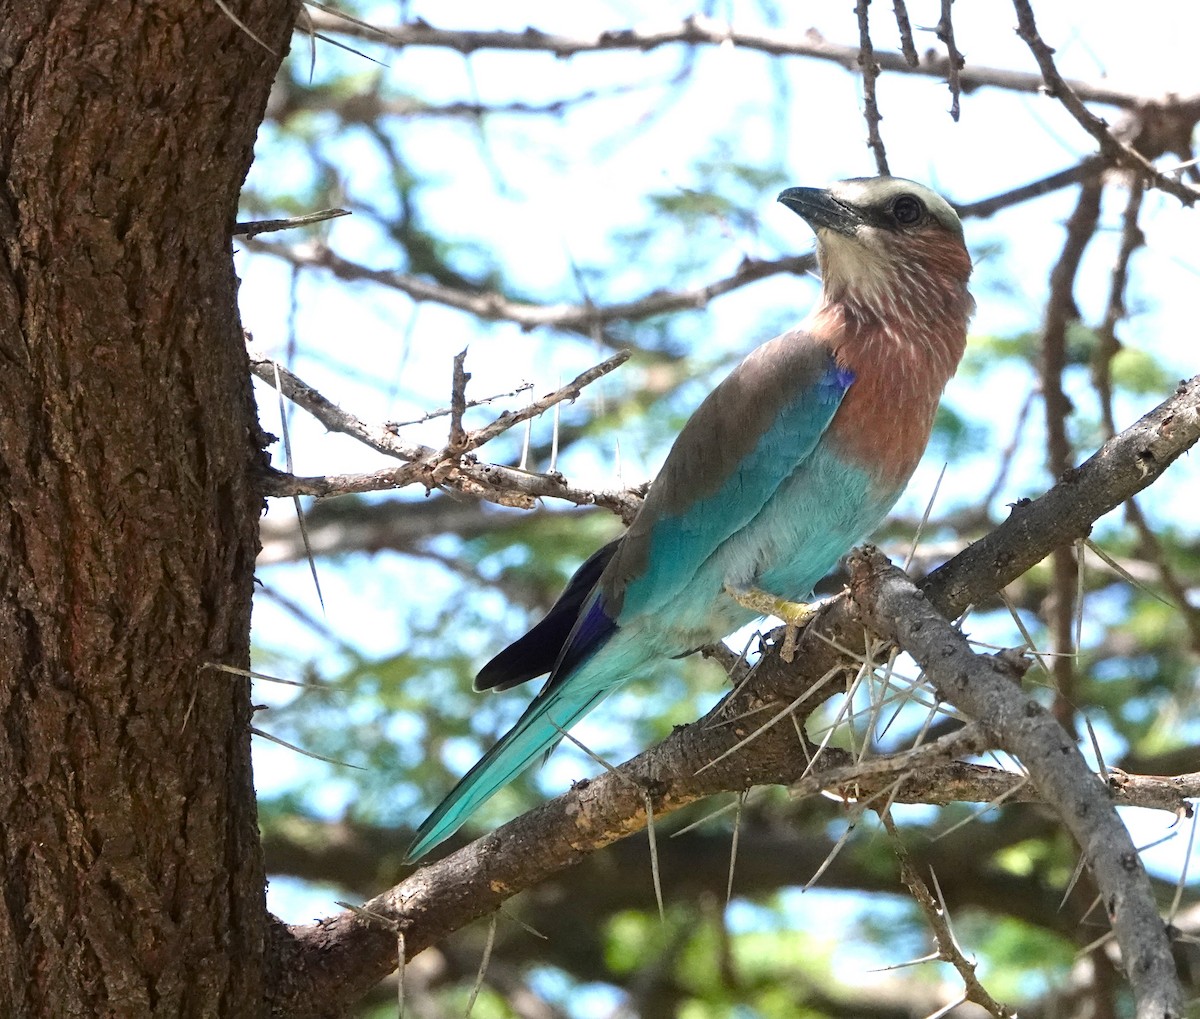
902 351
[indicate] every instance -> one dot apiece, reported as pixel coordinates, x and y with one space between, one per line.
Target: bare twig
948 948
456 444
492 307
985 207
1107 345
570 391
989 688
954 59
1060 312
701 31
904 27
1009 451
441 412
1113 149
870 72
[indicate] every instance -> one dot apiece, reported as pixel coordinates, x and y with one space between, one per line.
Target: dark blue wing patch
535 653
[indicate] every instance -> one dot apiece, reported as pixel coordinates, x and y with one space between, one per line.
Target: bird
797 455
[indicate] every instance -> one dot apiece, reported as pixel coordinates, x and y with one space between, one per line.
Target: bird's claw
797 614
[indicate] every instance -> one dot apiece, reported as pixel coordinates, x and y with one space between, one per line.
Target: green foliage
1022 960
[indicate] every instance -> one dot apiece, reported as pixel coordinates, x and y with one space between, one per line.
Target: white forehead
878 191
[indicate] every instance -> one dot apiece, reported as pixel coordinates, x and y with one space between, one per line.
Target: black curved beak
821 210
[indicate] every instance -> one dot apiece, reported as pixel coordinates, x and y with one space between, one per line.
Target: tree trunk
132 876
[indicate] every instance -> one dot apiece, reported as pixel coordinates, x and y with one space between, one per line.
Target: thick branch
1122 467
491 306
989 688
700 31
339 958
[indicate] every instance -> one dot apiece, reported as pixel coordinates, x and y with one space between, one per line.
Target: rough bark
132 877
988 688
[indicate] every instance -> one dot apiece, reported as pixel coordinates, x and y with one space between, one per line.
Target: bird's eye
907 209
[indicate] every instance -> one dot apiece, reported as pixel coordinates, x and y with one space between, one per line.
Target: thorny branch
929 774
445 895
954 59
1125 465
702 31
1061 311
870 72
904 27
948 948
988 688
585 319
1072 99
446 468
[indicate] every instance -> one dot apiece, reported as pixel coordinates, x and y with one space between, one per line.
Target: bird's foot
796 615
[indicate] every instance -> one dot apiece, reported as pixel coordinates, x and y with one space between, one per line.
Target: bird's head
887 246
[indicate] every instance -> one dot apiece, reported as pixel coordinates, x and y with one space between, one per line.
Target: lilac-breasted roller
793 458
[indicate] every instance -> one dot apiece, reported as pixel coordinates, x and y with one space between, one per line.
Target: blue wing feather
538 730
708 513
595 626
680 543
537 651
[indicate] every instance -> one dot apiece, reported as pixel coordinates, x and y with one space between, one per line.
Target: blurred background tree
543 185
